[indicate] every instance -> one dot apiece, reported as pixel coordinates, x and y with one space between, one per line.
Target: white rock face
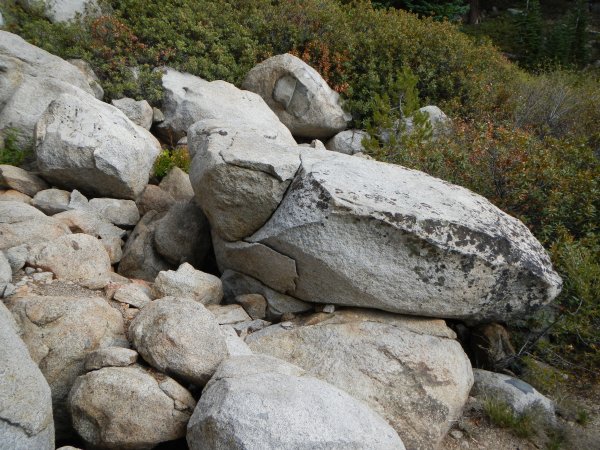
179 336
348 142
257 402
139 112
16 178
129 408
86 144
59 333
299 96
410 243
31 79
411 371
25 399
189 99
190 283
64 10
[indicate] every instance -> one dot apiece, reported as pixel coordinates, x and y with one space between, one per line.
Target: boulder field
284 294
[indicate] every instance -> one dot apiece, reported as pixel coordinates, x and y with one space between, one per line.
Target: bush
169 158
12 149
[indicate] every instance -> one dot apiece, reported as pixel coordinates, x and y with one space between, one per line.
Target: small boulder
177 183
110 357
139 112
52 201
20 180
10 195
133 294
349 142
179 336
190 283
153 198
122 213
229 314
254 304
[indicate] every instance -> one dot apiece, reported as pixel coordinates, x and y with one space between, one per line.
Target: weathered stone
17 256
245 328
5 273
76 257
229 314
189 99
409 370
254 304
52 201
139 112
129 408
10 195
20 180
299 96
84 143
133 294
64 10
59 333
157 116
110 357
123 213
257 402
349 142
25 399
190 283
235 345
177 183
90 76
153 198
179 336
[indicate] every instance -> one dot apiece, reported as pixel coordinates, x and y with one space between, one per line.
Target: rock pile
281 296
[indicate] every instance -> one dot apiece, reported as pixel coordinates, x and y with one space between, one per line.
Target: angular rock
20 180
90 76
229 314
177 183
76 257
190 283
411 371
52 201
299 96
110 357
133 294
349 142
32 78
139 112
140 259
123 213
129 408
153 198
84 143
59 333
257 402
64 10
254 304
189 99
183 235
25 399
181 337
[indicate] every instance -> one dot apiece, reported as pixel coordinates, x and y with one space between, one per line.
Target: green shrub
500 414
12 150
170 158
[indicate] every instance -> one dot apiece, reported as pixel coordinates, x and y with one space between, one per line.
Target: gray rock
25 399
10 195
1 20
32 78
76 257
153 198
5 273
183 235
110 357
177 183
92 146
133 294
86 69
157 116
52 201
349 142
254 304
189 99
257 402
64 10
17 257
123 213
519 396
245 328
299 96
20 180
23 224
411 371
139 112
140 259
190 283
59 333
181 337
129 408
229 314
235 345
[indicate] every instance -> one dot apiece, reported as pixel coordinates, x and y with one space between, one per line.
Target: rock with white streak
299 96
190 283
20 180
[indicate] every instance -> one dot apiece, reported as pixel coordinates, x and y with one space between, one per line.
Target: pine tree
530 34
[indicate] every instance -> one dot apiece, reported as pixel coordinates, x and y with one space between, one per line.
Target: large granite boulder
59 333
411 371
89 145
25 399
258 402
300 97
31 79
189 99
363 233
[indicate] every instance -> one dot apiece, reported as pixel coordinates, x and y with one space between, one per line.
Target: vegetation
12 150
169 158
500 414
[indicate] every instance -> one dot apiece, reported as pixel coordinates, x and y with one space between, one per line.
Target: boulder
90 76
140 259
10 195
59 333
153 198
129 408
410 243
189 99
84 143
32 78
79 257
177 183
133 294
23 224
349 142
229 314
17 256
183 235
440 122
110 357
299 96
123 213
411 371
6 273
12 177
254 304
64 10
190 283
52 201
257 402
25 399
139 112
235 345
181 337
